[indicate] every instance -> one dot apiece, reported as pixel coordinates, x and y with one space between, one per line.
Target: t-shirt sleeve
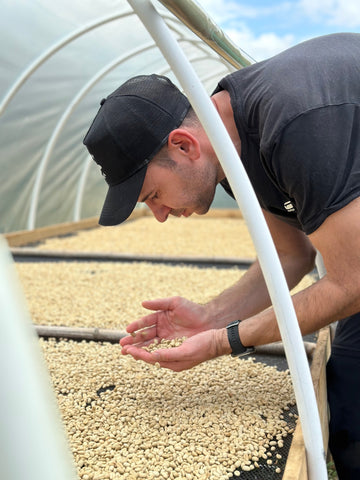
316 161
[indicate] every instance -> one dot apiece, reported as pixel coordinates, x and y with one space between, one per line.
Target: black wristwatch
238 349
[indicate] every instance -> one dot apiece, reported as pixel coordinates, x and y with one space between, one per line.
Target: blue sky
263 28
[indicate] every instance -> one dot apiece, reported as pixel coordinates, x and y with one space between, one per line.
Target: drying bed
130 420
210 237
109 295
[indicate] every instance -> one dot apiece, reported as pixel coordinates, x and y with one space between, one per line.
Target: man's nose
160 212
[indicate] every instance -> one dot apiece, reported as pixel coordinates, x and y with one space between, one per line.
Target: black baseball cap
131 126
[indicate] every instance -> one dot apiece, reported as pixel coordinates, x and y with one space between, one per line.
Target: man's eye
154 196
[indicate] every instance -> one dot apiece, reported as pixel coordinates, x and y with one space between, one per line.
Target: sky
263 28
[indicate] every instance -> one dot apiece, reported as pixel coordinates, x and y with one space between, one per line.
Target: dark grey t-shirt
298 117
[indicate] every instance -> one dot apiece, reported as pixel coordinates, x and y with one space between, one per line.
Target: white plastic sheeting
58 59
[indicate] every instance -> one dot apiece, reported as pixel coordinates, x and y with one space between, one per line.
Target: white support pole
258 229
33 444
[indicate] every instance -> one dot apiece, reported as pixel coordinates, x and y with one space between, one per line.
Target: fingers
190 353
159 304
144 322
140 354
159 357
145 330
173 359
140 336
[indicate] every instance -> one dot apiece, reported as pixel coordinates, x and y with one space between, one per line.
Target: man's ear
185 143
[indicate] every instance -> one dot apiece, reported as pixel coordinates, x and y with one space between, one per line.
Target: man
295 122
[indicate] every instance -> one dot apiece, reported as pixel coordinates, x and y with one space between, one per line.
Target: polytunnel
58 61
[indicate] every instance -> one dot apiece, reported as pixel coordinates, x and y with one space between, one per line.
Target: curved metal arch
51 51
58 46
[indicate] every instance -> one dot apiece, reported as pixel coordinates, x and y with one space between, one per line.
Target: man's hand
175 317
193 351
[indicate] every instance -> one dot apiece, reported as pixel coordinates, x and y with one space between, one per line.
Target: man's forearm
316 306
244 299
334 297
249 296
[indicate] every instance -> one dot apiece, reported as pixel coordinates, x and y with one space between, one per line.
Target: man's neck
222 104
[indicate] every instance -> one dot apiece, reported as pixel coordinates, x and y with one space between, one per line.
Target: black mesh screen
268 472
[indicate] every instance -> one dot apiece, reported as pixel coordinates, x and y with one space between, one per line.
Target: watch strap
238 349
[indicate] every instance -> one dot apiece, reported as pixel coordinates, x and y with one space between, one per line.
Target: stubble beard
198 192
204 196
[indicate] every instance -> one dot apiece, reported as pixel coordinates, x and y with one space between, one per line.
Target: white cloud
231 13
332 12
263 46
232 17
222 10
344 13
281 24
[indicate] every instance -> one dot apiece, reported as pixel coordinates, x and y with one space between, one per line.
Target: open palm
175 317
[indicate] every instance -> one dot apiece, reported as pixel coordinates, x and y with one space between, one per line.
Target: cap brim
121 199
